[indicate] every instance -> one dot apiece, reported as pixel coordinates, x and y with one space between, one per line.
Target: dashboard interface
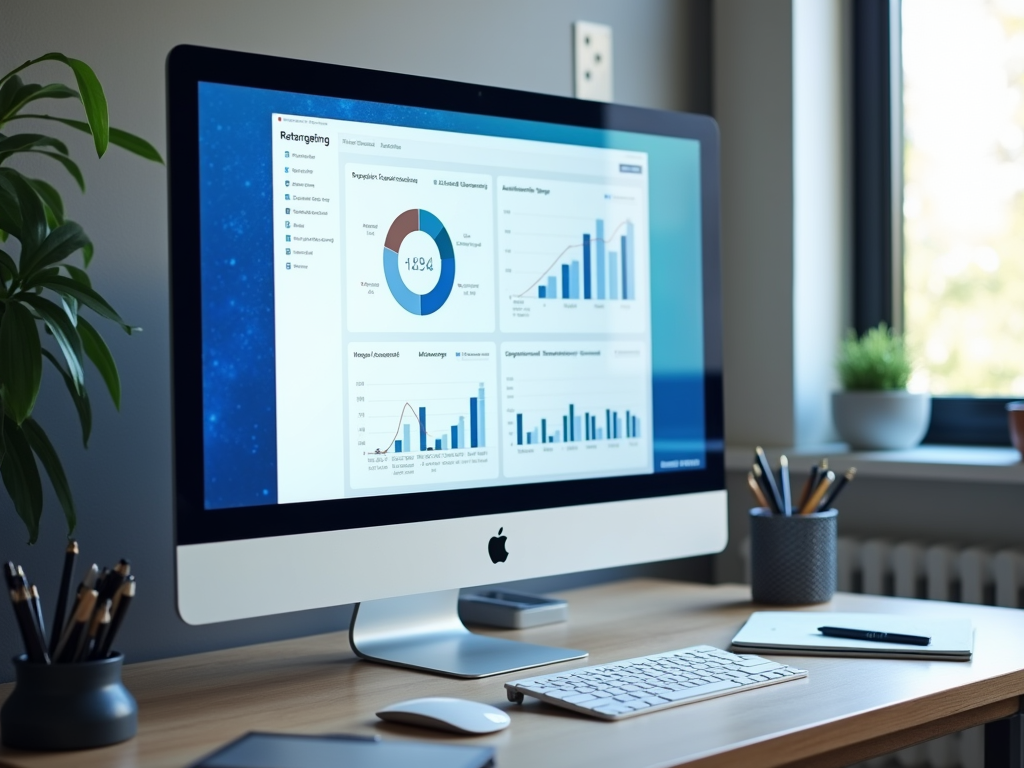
400 300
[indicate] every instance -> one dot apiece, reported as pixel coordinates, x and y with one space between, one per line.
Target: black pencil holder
792 558
68 706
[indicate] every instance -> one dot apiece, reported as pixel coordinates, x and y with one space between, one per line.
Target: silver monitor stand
425 632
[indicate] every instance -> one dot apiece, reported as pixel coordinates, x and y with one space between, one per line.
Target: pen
787 494
34 646
100 617
758 493
818 493
837 486
37 612
61 612
812 481
124 599
878 637
67 648
766 469
762 482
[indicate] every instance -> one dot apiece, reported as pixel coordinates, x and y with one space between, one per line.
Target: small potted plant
875 411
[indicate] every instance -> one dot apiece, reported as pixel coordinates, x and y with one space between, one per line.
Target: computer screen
400 301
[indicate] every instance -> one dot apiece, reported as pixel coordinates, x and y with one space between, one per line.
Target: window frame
878 213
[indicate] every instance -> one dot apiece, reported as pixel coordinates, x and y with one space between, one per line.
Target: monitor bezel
187 66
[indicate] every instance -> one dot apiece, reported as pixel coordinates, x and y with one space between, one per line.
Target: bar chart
573 260
421 413
570 407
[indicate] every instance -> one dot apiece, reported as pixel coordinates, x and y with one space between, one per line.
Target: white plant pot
885 420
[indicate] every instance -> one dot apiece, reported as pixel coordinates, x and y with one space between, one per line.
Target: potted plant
41 290
875 411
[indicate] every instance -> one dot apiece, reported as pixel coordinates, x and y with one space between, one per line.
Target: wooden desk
847 710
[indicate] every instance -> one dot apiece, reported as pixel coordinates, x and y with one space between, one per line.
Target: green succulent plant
878 360
41 289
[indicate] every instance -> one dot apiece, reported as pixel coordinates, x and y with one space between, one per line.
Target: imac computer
430 335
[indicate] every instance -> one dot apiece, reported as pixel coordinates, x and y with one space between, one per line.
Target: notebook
278 750
796 632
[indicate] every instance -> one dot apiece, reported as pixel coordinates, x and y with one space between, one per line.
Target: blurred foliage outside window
963 201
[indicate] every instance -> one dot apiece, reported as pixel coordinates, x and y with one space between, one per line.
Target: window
939 199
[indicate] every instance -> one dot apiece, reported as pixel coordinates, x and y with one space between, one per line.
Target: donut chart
419 220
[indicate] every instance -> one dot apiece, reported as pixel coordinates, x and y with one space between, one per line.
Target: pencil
766 468
759 476
67 648
787 494
830 497
818 493
756 490
61 612
126 595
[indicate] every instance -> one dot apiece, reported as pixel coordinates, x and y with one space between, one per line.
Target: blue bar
557 437
455 437
529 438
574 278
480 419
626 282
473 415
630 244
600 434
618 426
437 444
608 423
615 425
540 291
398 446
565 428
593 428
407 437
570 434
565 281
535 436
601 274
552 291
629 425
636 425
462 431
613 275
423 429
444 442
543 430
586 266
586 427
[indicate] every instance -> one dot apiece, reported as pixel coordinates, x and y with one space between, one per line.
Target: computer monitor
431 335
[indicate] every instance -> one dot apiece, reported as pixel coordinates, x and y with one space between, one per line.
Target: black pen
766 491
877 637
61 612
766 468
837 486
35 648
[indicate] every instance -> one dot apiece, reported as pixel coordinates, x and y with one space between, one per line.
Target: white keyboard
635 686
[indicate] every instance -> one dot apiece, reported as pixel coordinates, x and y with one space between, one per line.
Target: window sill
957 463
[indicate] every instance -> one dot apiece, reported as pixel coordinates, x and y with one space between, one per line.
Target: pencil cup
68 706
792 558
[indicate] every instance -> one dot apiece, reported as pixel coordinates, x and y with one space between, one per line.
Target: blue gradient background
236 234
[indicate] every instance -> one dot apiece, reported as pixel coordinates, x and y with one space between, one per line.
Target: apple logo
496 548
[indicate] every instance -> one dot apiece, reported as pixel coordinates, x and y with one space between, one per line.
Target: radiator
933 572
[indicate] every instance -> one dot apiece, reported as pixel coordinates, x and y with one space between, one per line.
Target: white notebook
796 632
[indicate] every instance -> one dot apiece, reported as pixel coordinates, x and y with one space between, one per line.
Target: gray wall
122 483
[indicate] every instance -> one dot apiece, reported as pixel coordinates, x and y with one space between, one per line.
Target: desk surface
847 710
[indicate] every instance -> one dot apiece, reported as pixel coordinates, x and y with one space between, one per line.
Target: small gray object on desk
68 706
792 558
511 610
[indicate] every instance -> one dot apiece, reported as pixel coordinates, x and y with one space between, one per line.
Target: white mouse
455 715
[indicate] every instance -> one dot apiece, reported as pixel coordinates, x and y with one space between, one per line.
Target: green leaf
43 448
7 93
80 399
91 92
8 269
118 138
64 333
85 296
78 275
58 245
23 142
21 478
99 353
21 366
51 199
33 218
34 92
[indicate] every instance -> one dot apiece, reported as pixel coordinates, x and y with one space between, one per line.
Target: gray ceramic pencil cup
68 706
792 558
